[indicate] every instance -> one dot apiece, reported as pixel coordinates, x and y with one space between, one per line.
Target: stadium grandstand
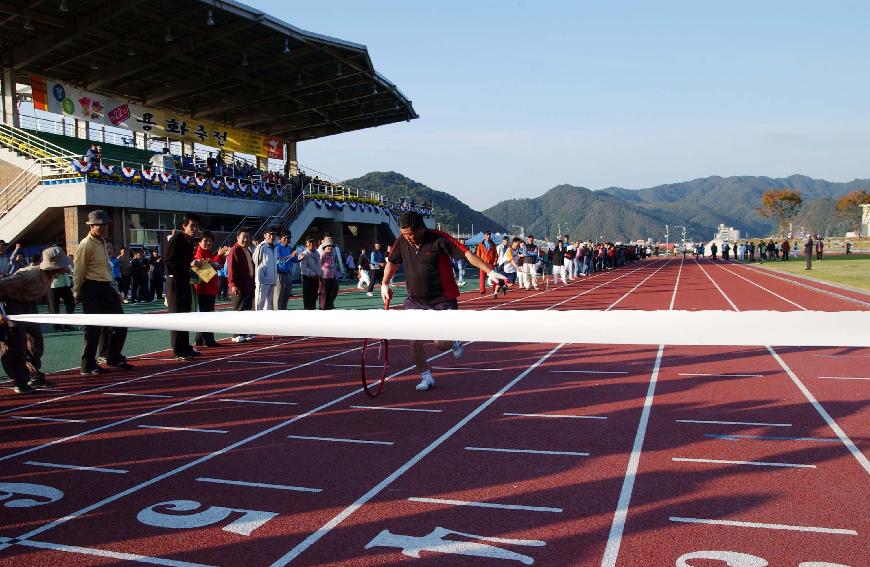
153 109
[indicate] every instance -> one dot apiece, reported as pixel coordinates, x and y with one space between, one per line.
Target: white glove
495 278
386 293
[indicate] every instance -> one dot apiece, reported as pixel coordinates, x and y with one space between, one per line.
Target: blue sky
518 96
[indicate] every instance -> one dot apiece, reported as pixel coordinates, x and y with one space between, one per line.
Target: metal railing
27 181
34 147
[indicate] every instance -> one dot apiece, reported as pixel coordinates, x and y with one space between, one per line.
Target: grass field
852 270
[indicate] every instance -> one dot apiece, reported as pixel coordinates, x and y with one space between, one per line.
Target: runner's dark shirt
428 274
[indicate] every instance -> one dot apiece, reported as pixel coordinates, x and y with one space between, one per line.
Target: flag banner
64 99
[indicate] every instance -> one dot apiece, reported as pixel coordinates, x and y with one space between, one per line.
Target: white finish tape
755 328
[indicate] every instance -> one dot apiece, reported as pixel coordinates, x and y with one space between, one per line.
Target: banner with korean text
60 98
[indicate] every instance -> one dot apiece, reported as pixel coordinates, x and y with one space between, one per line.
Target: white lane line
632 290
528 451
261 402
339 440
556 415
728 299
486 505
193 429
309 541
468 368
752 463
590 290
55 419
259 484
378 488
176 404
154 480
842 378
589 371
721 375
740 524
759 424
136 395
769 438
835 427
842 355
397 409
108 554
75 467
162 372
617 527
850 445
759 286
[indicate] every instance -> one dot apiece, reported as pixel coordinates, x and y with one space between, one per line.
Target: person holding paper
207 288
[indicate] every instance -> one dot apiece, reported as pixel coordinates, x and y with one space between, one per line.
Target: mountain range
616 213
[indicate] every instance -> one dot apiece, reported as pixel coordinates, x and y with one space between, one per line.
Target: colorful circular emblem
59 92
68 106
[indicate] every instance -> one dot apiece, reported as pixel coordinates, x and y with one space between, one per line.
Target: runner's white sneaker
238 339
458 349
426 383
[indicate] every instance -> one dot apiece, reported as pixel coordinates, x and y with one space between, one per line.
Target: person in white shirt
265 271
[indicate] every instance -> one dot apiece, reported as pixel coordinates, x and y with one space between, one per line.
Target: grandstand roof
212 59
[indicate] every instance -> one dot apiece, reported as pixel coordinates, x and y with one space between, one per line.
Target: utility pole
667 238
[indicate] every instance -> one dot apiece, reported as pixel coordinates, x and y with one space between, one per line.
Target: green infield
852 270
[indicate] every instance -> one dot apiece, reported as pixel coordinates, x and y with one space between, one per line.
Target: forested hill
449 211
733 200
580 212
700 205
622 214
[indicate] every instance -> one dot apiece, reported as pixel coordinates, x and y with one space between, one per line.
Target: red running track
523 454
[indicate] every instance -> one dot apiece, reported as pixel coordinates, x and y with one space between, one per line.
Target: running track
523 454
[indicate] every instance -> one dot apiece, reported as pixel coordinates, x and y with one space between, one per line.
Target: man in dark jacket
808 252
240 277
179 297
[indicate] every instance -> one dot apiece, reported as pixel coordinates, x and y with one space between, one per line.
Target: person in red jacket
206 291
240 276
486 251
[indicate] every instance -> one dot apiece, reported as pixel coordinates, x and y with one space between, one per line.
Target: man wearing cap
265 271
286 256
96 289
179 293
21 344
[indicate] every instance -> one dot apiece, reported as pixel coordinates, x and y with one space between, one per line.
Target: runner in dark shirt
426 256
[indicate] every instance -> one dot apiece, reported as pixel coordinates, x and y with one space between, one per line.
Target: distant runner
426 255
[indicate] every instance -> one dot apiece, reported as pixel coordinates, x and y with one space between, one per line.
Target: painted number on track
189 517
44 494
435 542
735 559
